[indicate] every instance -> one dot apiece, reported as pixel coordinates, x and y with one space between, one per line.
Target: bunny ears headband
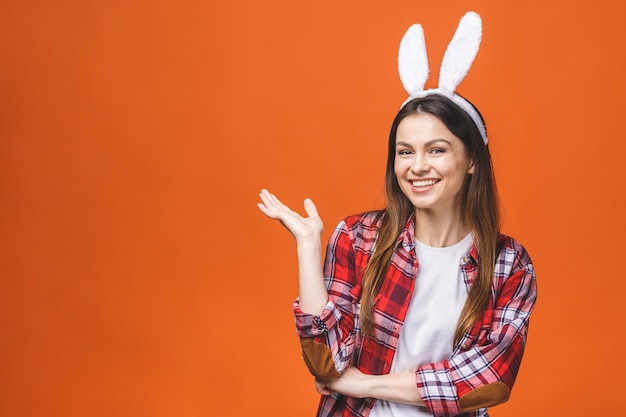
413 64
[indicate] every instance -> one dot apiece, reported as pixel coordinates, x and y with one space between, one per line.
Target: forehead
423 127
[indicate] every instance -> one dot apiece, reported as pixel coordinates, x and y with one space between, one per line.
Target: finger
310 208
318 386
265 193
321 388
269 206
272 201
276 201
266 211
266 197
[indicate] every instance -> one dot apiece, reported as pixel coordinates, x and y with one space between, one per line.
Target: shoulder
369 220
512 255
360 229
509 244
514 277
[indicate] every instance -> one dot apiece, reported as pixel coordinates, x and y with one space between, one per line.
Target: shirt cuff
437 389
309 325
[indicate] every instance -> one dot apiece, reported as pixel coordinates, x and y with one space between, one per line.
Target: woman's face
431 164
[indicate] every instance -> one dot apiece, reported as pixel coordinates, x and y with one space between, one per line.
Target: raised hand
308 234
302 228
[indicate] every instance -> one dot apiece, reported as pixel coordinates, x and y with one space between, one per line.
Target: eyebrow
429 143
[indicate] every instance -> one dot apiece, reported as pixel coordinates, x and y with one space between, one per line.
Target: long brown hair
479 207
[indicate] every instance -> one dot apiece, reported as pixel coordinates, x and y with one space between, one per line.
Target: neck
439 229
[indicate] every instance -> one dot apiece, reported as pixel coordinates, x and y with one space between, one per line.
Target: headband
413 64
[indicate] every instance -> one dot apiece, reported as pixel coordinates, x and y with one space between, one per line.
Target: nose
420 164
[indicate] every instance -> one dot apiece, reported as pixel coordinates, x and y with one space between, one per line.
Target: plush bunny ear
413 60
461 52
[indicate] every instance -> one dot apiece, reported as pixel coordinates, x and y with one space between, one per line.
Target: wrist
372 386
312 242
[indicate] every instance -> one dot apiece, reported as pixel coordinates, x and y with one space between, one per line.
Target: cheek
402 165
400 172
457 168
397 168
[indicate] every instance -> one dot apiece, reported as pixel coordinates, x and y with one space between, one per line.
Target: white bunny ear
461 52
413 60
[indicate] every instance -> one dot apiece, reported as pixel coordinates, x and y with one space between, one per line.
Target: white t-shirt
428 330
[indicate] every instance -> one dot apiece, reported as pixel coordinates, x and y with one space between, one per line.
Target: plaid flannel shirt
490 352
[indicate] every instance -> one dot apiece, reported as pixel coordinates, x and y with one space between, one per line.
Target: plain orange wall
137 277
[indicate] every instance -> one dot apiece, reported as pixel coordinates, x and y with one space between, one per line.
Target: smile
424 183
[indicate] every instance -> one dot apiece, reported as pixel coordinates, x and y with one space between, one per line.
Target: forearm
397 388
312 289
307 231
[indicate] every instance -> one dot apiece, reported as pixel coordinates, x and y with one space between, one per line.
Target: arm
311 288
324 319
307 233
328 339
399 388
482 370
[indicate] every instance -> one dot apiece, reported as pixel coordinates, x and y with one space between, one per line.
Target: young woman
422 308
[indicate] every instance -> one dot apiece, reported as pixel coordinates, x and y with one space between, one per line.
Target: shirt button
319 324
465 259
465 346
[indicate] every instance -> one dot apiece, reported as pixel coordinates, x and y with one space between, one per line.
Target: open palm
300 227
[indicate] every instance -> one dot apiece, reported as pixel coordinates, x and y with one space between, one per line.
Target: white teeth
423 183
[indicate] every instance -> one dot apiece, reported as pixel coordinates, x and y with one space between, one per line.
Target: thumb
310 208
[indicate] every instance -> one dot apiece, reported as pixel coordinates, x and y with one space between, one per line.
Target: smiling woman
422 308
137 275
431 165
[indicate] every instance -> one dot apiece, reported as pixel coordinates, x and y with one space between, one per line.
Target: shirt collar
407 237
407 240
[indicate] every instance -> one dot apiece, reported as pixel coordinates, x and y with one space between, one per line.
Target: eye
403 152
437 151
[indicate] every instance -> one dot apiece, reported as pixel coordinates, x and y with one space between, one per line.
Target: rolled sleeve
437 389
308 325
332 333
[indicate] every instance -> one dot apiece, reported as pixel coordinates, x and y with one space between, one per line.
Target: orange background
138 278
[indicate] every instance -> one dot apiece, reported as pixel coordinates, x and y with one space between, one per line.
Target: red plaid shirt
490 352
